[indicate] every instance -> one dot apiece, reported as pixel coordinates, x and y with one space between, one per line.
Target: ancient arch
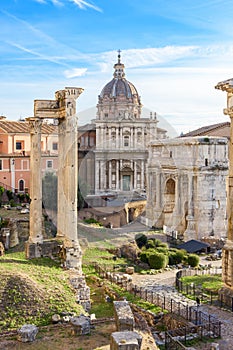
169 195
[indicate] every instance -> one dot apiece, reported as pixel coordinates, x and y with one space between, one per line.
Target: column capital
34 125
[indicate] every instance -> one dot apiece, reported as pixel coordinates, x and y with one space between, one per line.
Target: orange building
15 153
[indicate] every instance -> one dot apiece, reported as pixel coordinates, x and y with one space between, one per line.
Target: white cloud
82 4
168 56
75 72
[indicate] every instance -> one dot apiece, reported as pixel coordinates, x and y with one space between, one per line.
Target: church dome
119 86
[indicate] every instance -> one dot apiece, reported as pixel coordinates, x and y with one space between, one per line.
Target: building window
126 141
24 165
105 115
19 145
21 185
1 164
49 164
55 146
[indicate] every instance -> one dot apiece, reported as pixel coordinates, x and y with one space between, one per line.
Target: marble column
68 176
110 175
117 175
142 175
135 175
35 235
97 176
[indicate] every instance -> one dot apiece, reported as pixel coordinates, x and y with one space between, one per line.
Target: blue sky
174 51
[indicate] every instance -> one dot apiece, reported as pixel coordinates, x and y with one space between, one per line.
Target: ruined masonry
63 109
227 259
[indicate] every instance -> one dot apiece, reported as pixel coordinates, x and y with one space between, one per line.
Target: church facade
122 137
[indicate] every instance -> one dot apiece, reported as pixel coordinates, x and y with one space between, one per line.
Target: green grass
101 257
33 290
211 283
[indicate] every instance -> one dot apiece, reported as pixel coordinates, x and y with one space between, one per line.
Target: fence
197 291
205 324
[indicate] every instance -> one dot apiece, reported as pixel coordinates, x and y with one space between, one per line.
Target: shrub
163 245
92 221
145 253
163 250
150 244
144 257
9 194
12 203
157 260
1 190
193 260
141 240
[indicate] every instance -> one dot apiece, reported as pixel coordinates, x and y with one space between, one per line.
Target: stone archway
169 195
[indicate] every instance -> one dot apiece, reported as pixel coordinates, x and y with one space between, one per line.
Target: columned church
122 137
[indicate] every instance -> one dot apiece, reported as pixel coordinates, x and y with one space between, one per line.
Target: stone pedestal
49 249
125 341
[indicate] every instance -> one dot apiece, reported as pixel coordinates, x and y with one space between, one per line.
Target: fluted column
35 235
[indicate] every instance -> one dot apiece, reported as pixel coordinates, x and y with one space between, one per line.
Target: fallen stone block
81 325
124 316
27 333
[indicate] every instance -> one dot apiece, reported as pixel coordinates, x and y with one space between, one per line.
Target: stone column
117 175
35 235
97 176
68 176
120 176
61 222
142 175
135 175
158 191
101 175
110 174
227 257
190 232
121 138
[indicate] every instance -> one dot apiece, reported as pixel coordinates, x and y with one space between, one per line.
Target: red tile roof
9 127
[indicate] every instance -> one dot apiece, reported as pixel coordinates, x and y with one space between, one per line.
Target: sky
174 51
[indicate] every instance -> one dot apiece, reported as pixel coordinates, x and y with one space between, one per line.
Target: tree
141 240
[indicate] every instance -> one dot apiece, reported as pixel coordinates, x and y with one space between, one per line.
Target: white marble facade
187 186
122 137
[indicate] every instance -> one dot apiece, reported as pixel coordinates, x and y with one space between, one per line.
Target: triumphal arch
62 109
